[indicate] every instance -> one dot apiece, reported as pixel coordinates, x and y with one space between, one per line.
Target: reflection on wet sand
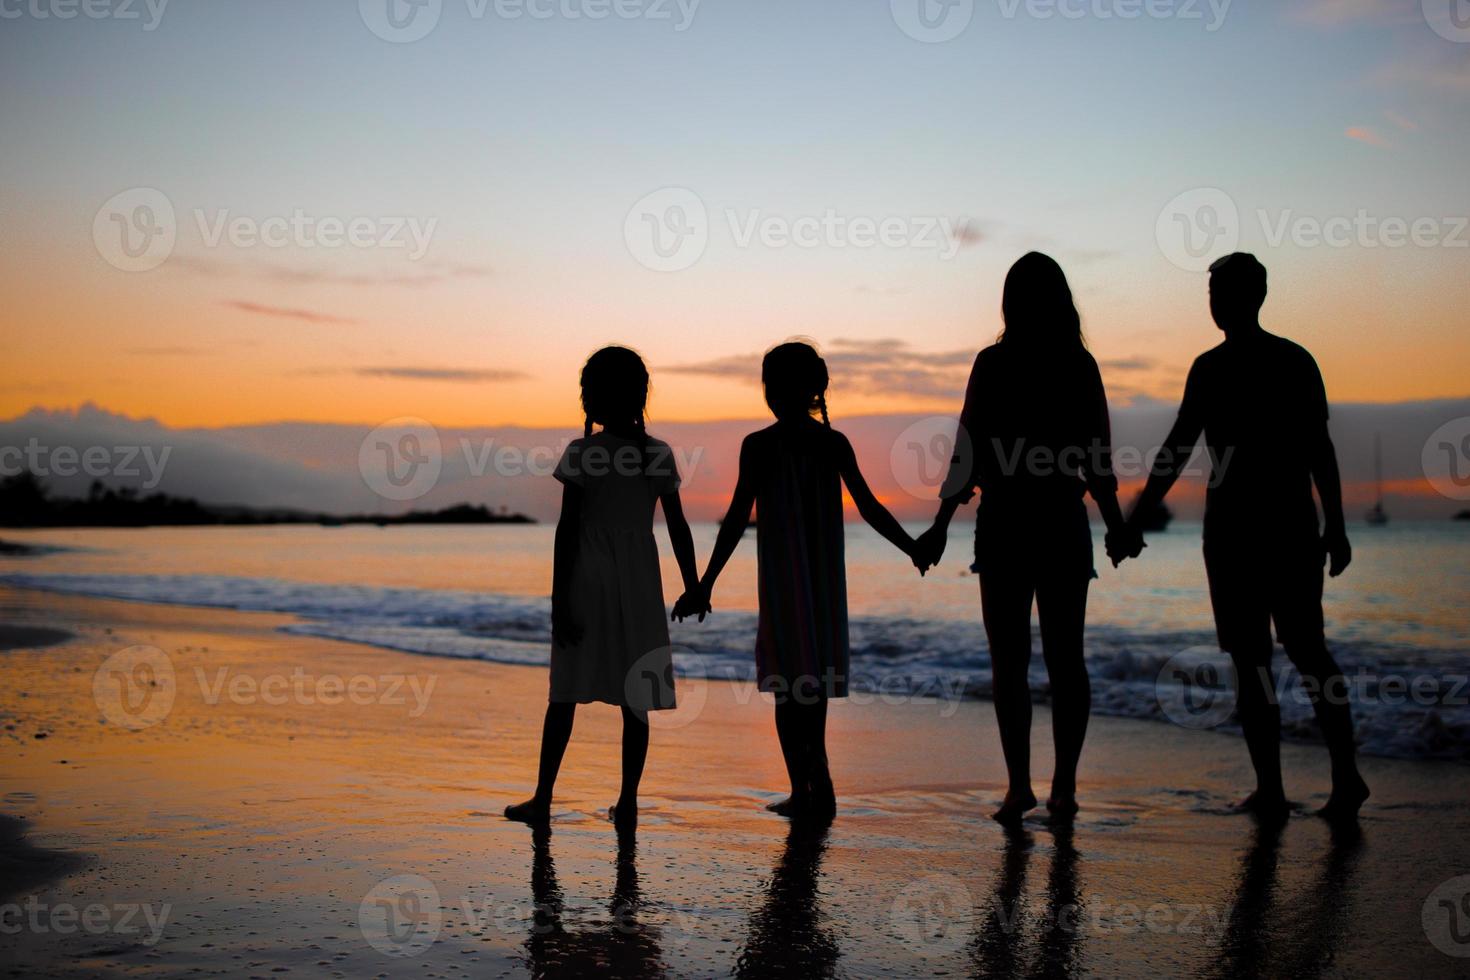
621 946
788 934
1009 943
1299 938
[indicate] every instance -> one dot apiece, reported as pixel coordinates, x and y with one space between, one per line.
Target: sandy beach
258 803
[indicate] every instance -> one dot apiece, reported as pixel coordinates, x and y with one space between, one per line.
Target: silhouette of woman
1034 435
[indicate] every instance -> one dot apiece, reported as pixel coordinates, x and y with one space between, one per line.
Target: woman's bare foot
623 815
1347 798
533 811
1014 807
1266 806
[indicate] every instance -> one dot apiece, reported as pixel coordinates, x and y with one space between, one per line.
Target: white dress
616 588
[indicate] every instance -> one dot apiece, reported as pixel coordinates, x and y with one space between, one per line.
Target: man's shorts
1253 584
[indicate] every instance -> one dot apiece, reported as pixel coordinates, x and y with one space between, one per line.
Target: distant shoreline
26 503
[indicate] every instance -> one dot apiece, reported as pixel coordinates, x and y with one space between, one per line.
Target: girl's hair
795 379
1037 306
615 393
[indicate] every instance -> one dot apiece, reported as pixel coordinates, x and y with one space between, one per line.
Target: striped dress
801 642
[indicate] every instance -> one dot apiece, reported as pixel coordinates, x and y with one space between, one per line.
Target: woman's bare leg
556 732
1007 610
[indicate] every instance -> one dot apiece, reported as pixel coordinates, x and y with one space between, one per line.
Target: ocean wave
1407 703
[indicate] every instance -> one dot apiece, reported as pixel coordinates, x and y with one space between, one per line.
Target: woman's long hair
1037 306
615 393
795 378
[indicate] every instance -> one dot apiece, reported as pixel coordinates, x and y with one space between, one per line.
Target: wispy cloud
1364 134
1402 122
1128 364
415 275
285 312
886 366
462 375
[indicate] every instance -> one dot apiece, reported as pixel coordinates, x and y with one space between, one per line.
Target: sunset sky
518 146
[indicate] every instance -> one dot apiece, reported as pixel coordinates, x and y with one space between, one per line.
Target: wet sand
272 820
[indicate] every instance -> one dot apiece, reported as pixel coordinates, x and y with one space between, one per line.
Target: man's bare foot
1014 807
623 815
533 811
1347 798
1266 806
1062 806
791 806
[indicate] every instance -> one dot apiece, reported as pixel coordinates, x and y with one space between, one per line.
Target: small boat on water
1376 515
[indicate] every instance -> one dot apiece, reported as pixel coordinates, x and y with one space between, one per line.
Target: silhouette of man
1261 405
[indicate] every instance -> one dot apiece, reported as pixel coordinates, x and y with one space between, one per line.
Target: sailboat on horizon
1377 516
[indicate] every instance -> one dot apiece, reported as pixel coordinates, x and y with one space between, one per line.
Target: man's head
1237 290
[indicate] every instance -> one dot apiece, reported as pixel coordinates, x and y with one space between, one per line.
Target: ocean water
1398 620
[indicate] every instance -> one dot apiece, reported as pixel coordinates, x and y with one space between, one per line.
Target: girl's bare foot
1266 805
623 815
1014 807
1062 806
791 806
1347 798
533 811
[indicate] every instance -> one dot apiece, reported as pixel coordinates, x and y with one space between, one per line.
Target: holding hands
929 548
1123 542
694 602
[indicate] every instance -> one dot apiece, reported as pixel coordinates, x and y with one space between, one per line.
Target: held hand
917 557
1123 543
694 602
1337 552
929 549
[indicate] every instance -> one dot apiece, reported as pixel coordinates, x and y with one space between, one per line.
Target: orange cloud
1365 135
285 312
